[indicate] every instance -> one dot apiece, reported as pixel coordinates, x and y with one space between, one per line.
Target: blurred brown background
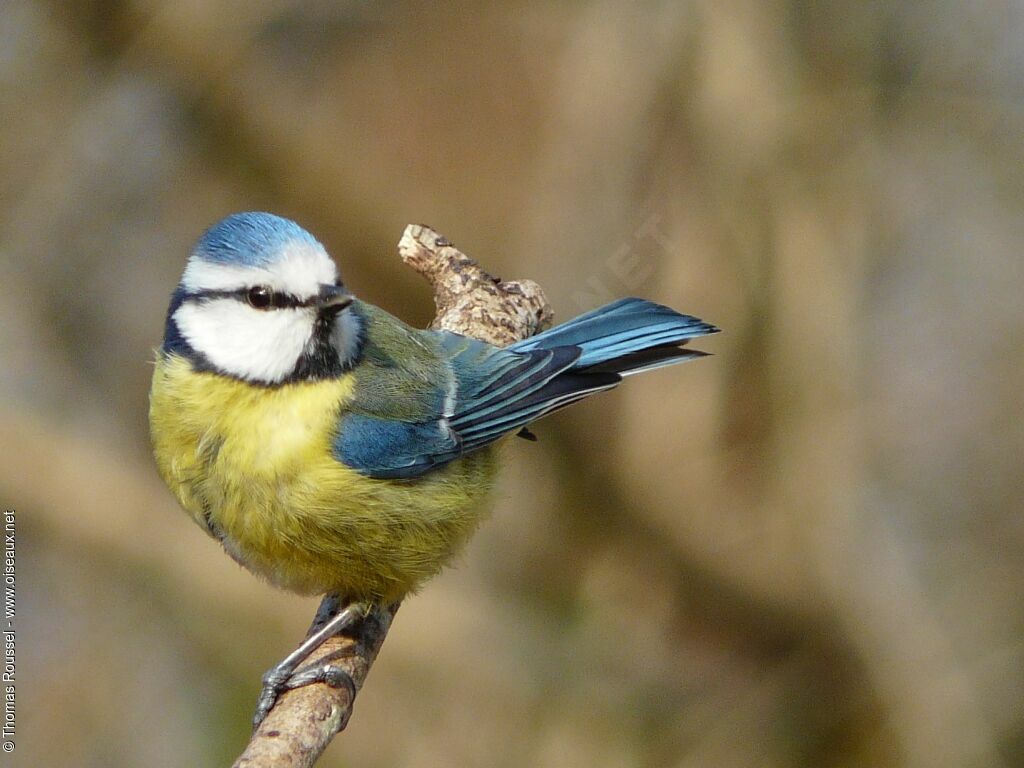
804 551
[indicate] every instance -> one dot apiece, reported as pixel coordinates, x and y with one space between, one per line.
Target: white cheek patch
300 269
251 344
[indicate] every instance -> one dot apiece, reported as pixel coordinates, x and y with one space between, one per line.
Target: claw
265 703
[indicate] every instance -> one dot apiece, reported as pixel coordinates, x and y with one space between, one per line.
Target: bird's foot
286 676
276 681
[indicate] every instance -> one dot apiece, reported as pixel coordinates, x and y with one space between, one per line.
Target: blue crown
252 239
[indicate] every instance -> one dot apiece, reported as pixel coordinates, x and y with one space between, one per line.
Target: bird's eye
260 297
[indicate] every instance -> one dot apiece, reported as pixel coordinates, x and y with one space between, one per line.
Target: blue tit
330 447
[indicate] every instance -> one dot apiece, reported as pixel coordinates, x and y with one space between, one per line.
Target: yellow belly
253 466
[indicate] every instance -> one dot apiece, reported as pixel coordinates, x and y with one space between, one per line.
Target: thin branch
471 302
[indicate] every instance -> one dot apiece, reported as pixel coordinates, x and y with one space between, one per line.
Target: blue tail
624 337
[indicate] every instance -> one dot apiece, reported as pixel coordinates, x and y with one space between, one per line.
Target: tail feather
647 360
588 354
626 337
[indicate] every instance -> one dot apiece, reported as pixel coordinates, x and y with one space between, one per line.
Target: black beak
333 299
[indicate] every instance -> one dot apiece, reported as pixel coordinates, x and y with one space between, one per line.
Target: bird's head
260 300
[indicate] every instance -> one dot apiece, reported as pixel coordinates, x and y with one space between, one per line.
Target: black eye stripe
277 300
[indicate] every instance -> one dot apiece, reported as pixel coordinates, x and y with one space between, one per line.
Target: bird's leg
283 677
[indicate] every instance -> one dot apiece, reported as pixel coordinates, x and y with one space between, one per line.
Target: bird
333 449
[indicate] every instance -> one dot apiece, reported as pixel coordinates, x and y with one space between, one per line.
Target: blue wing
482 393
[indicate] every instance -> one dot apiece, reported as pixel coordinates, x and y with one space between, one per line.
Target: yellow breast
254 467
